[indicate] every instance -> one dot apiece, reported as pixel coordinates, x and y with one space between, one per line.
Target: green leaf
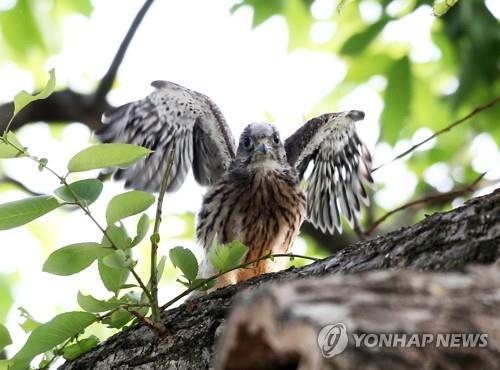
29 323
128 204
83 7
161 267
80 347
23 98
10 151
129 286
119 236
228 256
299 22
49 335
7 282
118 318
142 229
116 260
262 9
113 279
185 260
20 212
5 338
159 272
441 7
91 304
107 155
358 42
21 32
360 70
74 258
87 191
397 100
42 163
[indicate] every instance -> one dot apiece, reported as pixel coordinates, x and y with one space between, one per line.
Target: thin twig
155 239
358 229
447 128
243 265
109 77
429 199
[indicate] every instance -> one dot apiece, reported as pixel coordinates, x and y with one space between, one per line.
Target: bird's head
260 145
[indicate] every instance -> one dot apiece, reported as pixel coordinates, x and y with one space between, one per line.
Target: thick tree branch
70 106
441 242
277 327
61 106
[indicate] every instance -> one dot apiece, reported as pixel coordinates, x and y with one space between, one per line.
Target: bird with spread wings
254 193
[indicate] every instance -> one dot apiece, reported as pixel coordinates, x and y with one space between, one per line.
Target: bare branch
440 197
109 77
476 110
70 106
61 106
5 179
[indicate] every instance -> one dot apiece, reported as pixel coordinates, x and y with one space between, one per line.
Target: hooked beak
356 115
262 148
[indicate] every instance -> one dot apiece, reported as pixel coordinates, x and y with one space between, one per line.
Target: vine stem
155 239
62 180
243 265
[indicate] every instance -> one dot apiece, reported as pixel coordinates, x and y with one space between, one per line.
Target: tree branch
110 76
440 197
476 110
5 179
277 327
441 242
70 106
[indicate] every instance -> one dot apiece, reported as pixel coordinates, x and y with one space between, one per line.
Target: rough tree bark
277 327
442 242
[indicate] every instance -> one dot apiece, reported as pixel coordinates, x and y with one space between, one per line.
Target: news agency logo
332 339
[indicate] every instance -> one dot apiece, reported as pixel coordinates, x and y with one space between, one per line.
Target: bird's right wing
171 118
342 165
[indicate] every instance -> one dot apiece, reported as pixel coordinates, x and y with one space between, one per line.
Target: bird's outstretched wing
342 164
171 118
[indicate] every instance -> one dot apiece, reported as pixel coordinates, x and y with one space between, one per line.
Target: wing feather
342 166
171 119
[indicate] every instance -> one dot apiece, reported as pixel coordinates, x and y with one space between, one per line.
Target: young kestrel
254 193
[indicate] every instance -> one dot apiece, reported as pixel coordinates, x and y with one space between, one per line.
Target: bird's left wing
171 118
342 166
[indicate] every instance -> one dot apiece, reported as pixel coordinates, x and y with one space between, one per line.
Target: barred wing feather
342 166
172 119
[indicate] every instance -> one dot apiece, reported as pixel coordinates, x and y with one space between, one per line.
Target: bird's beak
262 148
356 115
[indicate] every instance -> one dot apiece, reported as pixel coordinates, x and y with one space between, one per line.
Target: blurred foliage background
421 91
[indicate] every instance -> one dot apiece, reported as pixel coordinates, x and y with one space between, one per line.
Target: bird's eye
247 143
276 139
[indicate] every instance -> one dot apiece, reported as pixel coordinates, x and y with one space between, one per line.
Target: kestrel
254 193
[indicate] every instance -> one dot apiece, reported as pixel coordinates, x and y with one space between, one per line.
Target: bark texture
431 313
442 242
